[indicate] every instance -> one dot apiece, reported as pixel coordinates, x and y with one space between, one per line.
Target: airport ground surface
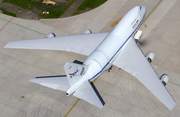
123 94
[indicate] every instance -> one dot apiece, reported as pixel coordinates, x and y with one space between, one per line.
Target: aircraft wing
82 44
54 82
89 93
132 60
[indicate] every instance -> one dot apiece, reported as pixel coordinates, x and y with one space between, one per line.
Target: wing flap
89 93
132 60
81 44
54 82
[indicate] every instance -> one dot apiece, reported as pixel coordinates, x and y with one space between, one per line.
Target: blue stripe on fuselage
116 51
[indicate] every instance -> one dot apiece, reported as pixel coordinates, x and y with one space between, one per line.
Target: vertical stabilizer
74 72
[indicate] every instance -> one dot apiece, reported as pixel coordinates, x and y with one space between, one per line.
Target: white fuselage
107 51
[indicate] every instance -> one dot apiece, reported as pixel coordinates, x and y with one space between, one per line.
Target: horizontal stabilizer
89 93
54 82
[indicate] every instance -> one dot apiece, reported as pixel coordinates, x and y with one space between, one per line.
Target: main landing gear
111 69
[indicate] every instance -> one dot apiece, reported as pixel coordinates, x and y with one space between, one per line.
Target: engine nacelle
49 35
164 79
87 31
150 56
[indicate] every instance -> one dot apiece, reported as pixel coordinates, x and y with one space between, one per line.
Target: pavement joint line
22 26
76 102
6 24
97 78
174 83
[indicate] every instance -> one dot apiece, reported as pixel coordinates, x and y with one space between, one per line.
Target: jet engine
164 79
150 56
49 35
87 31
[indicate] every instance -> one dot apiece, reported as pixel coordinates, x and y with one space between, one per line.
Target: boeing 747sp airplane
116 48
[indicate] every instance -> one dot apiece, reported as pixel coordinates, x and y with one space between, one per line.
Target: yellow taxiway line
76 103
72 108
152 11
97 78
116 21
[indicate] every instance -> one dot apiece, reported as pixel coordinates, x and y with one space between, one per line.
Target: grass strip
7 12
26 4
57 10
88 4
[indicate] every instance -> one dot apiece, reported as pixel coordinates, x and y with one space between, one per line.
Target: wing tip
6 46
171 107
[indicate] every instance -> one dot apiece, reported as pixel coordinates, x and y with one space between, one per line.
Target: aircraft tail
74 72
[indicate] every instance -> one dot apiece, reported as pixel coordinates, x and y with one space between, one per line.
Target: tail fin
74 72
